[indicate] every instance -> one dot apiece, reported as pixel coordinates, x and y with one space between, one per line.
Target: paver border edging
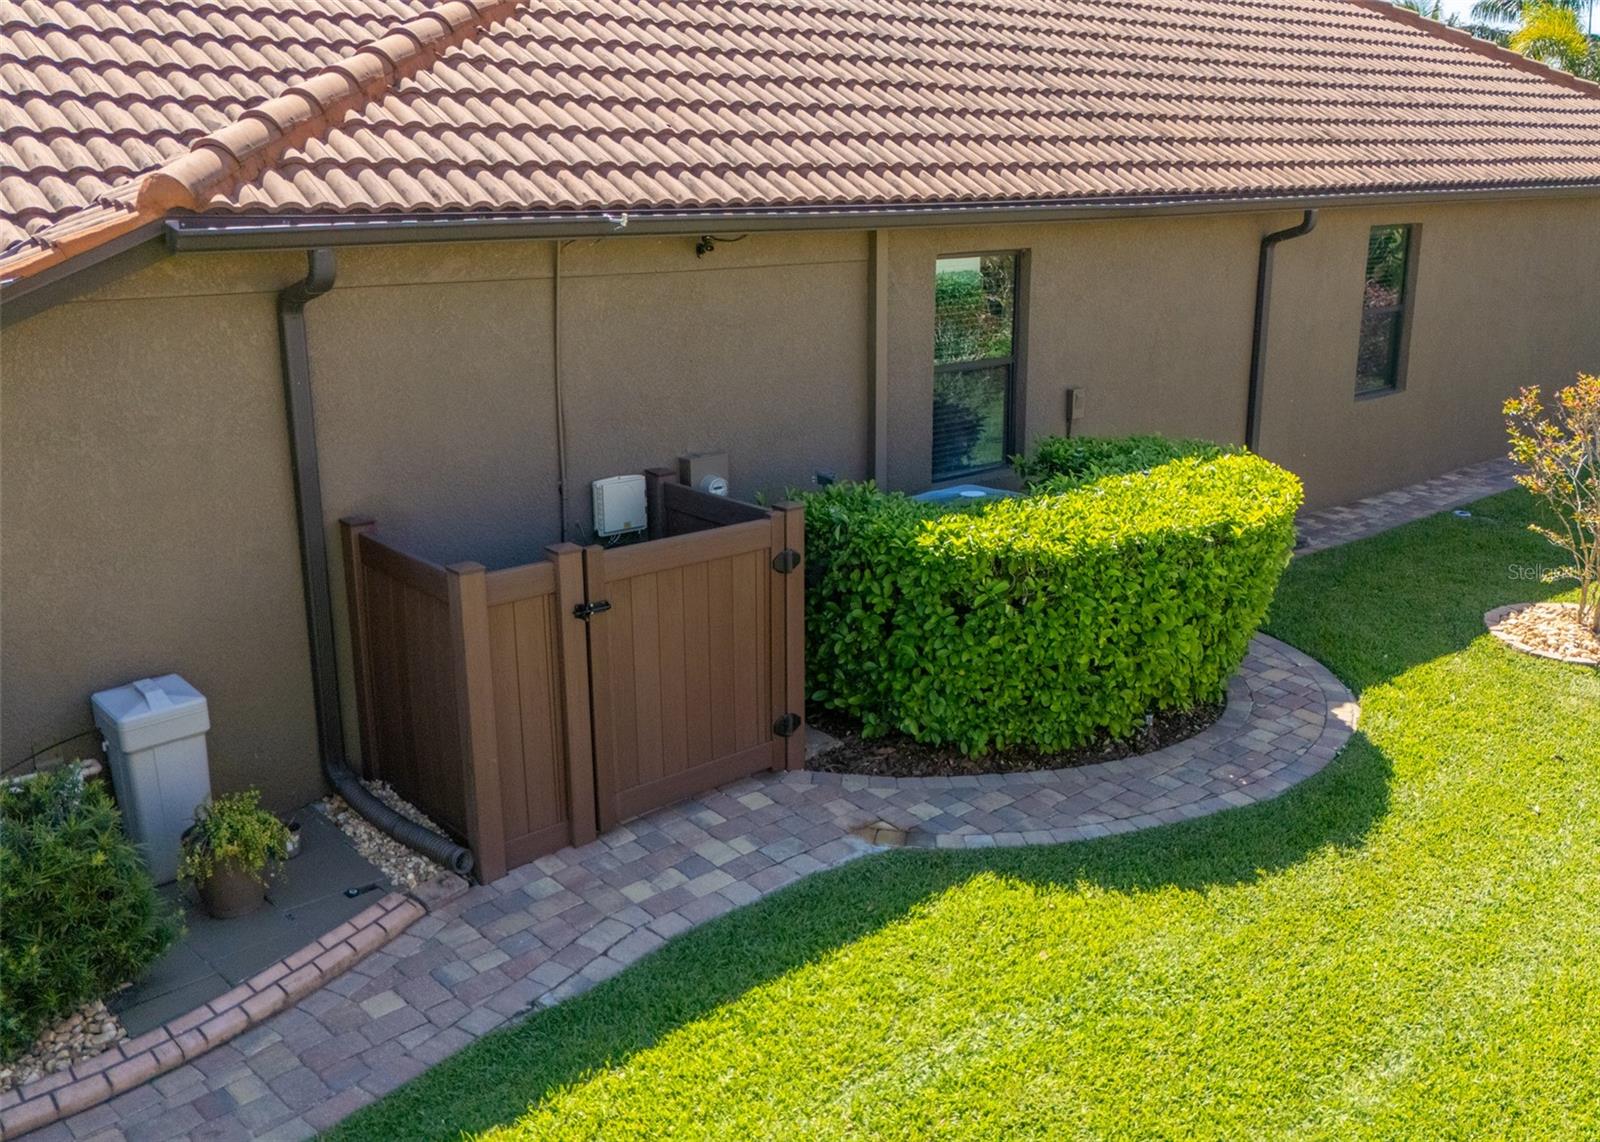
1341 715
134 1062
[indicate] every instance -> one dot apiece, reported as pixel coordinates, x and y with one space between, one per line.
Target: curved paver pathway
555 927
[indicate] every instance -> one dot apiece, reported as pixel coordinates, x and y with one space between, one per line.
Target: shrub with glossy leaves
1048 620
78 912
1060 463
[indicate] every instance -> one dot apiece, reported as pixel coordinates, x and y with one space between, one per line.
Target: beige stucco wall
1505 295
147 508
1150 319
146 511
147 525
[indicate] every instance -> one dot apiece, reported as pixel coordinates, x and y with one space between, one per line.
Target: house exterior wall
1504 296
145 489
147 525
148 416
1152 320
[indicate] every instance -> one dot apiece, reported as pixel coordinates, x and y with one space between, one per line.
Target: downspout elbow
321 269
1258 333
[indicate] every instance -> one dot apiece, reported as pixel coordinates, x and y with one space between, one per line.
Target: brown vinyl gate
525 708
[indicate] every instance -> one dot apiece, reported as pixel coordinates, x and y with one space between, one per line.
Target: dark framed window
974 362
1385 309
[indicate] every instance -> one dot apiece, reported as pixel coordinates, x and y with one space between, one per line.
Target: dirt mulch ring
895 755
1549 630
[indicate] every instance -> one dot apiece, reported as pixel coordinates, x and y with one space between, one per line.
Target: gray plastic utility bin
155 733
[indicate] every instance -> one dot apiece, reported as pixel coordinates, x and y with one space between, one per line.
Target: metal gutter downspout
1258 334
292 303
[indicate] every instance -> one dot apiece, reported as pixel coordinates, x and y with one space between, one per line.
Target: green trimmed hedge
1061 463
78 913
1044 621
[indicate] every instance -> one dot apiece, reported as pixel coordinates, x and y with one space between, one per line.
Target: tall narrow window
1383 310
974 362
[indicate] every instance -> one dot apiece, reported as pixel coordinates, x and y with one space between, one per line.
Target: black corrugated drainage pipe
292 303
1258 335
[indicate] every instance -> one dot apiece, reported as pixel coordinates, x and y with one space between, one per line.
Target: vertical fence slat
577 748
514 752
607 808
474 688
719 624
794 640
749 728
777 632
351 529
698 696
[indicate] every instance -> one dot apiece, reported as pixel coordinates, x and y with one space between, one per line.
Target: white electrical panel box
619 505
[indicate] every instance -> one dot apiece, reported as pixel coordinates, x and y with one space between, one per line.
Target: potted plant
228 852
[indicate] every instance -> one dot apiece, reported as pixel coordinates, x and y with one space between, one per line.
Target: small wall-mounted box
705 472
619 505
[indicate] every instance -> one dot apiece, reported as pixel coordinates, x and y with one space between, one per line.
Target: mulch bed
895 755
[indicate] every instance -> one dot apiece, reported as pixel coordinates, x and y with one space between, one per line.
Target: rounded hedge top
1048 620
1060 463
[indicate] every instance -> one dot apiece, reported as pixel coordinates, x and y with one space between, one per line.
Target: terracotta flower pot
231 891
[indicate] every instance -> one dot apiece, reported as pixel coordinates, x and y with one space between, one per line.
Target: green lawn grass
1406 946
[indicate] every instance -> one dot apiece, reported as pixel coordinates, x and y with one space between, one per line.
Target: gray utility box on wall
155 732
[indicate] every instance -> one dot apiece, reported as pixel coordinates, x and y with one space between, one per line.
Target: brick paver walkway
1333 526
555 927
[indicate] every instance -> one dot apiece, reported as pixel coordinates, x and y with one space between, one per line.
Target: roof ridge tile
261 132
222 159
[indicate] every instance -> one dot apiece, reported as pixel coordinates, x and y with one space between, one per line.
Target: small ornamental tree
1559 455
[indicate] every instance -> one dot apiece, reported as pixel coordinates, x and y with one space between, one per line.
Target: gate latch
786 561
585 611
786 725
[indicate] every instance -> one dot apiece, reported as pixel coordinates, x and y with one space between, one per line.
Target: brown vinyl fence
525 708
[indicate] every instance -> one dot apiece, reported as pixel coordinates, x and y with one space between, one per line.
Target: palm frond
1497 11
1550 33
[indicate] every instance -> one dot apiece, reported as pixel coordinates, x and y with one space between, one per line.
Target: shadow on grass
494 1081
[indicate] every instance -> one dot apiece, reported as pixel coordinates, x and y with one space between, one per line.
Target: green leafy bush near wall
1059 463
78 912
1047 620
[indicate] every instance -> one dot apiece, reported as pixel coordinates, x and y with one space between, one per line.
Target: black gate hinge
585 611
786 725
786 561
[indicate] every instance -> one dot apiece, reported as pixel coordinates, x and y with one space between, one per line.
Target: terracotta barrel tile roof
115 111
